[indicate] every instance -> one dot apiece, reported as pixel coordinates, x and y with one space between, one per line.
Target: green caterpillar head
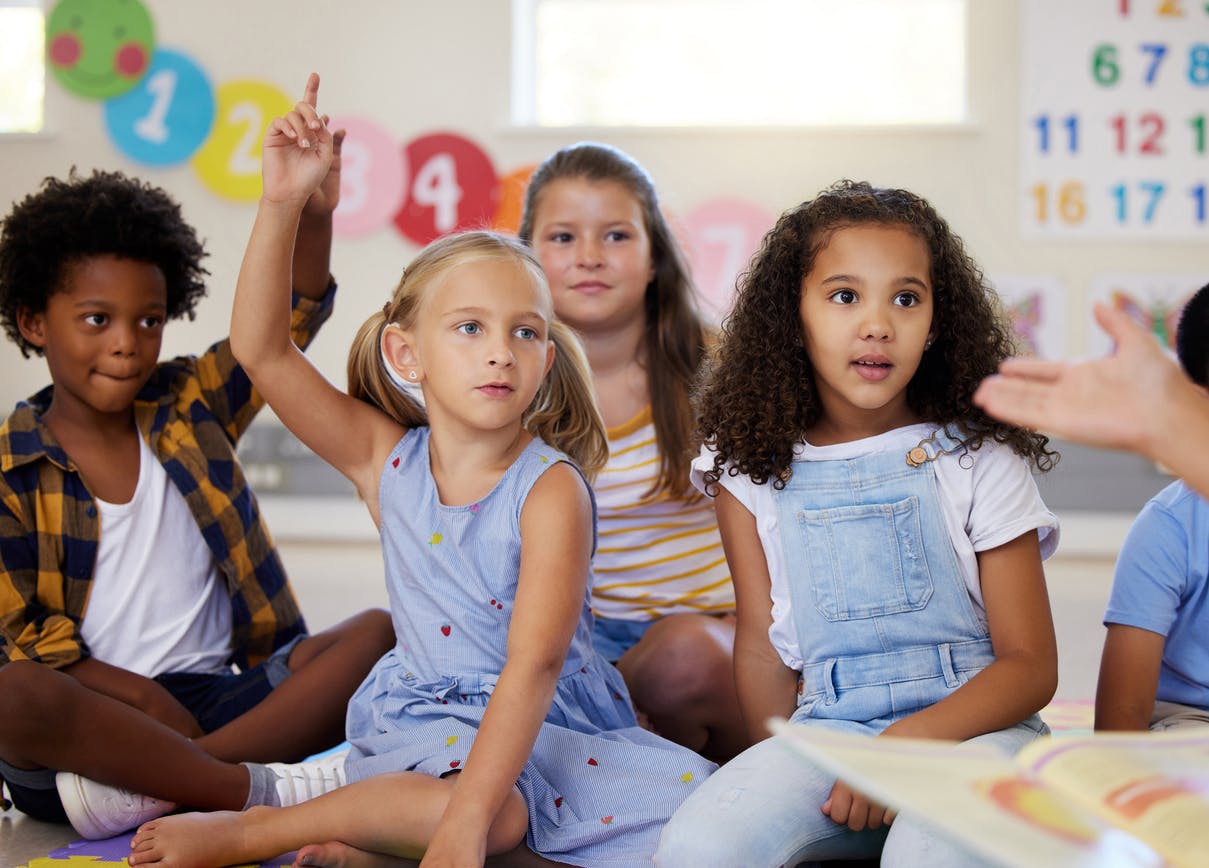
99 49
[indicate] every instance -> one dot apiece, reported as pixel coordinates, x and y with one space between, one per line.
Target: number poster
1115 123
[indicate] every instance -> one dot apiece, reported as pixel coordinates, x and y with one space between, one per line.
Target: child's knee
511 823
684 664
368 635
375 628
692 838
31 694
909 843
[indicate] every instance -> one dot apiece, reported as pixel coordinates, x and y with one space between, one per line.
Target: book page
1154 785
973 794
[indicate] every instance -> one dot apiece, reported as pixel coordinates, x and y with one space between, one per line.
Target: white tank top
158 602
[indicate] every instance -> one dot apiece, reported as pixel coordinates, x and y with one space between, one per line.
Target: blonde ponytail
564 411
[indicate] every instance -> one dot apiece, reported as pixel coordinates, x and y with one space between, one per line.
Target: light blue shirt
1161 584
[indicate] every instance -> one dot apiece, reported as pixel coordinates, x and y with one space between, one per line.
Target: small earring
928 344
411 375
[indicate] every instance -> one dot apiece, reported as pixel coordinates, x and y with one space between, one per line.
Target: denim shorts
612 637
214 700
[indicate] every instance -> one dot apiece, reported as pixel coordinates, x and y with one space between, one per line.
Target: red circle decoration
453 186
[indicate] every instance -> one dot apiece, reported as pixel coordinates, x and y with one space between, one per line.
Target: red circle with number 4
453 187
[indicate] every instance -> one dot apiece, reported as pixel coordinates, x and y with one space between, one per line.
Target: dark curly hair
758 398
1192 337
68 221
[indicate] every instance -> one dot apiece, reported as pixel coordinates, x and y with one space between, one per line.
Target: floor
333 582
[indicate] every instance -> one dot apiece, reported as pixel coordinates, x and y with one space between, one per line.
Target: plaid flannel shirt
191 412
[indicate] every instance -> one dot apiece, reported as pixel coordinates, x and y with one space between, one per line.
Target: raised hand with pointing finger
299 151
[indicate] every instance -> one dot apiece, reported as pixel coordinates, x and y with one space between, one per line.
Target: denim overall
882 615
886 627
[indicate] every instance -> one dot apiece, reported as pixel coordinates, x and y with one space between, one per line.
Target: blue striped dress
598 787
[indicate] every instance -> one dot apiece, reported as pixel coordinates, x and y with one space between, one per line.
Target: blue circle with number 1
168 114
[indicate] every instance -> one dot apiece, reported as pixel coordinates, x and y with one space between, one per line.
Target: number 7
1157 52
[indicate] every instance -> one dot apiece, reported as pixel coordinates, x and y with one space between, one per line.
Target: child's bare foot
336 854
202 840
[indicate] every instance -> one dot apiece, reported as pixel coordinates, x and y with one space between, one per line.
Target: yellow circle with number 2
229 161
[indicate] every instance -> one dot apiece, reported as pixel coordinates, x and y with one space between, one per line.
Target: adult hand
1112 401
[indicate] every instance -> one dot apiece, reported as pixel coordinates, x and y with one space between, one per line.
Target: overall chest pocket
865 561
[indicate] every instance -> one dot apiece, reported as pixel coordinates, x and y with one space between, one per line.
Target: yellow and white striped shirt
658 555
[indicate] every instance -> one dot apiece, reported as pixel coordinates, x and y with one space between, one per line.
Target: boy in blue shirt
1154 672
150 642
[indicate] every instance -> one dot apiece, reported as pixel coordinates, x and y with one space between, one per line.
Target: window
738 62
22 71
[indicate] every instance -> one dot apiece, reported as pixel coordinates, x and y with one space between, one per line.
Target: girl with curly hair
885 535
663 598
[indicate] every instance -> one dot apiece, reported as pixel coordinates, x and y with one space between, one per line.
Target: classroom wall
418 66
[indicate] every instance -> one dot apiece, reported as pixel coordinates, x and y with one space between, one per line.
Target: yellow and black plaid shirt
191 412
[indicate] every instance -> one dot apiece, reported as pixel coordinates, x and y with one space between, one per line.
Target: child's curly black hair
758 398
107 213
1192 337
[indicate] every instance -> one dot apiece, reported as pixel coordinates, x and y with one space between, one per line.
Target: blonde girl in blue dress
492 723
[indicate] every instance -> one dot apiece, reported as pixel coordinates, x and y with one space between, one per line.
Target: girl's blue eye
469 328
526 334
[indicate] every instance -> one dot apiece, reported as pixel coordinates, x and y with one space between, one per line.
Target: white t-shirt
158 602
987 505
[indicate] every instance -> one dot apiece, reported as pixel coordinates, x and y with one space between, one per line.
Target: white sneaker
99 811
298 782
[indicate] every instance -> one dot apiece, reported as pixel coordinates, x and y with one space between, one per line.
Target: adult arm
1135 399
556 546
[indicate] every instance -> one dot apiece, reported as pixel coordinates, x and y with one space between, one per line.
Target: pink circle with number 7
373 176
719 237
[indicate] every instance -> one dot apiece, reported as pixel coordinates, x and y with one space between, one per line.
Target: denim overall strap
882 615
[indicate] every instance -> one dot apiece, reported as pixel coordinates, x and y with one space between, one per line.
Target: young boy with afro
1154 671
151 649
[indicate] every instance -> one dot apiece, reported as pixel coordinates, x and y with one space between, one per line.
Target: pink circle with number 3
373 176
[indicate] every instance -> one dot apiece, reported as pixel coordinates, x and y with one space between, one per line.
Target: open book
1119 800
